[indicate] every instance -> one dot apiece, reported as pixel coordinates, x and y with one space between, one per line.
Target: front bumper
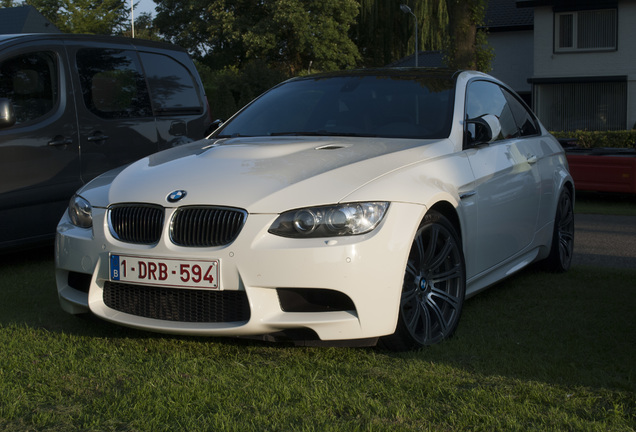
366 269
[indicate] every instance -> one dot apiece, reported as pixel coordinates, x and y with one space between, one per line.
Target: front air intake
174 304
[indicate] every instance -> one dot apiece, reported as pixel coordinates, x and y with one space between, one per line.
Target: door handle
59 140
98 137
532 159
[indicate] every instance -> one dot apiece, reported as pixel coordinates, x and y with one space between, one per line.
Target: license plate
165 271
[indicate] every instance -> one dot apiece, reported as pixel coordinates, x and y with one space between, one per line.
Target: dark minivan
75 106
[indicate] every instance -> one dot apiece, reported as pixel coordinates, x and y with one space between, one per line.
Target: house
584 63
24 19
573 61
510 35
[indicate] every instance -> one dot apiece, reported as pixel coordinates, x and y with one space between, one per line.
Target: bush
230 89
593 139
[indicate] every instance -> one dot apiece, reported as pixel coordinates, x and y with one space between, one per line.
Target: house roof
24 19
506 15
568 3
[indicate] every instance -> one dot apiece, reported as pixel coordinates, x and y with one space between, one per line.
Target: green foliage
385 34
288 35
467 48
144 28
230 89
105 17
484 53
594 139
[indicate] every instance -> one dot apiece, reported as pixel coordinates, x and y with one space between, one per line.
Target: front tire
434 287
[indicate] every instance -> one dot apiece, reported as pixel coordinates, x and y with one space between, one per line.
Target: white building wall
513 62
548 64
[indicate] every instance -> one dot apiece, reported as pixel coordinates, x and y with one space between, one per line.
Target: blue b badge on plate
114 267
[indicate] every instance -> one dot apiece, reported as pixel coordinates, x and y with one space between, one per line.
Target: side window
112 83
525 120
30 81
172 87
483 98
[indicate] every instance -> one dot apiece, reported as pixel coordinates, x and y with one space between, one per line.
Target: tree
385 34
467 48
85 16
144 28
230 89
289 35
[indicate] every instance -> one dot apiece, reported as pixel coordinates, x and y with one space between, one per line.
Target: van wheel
434 287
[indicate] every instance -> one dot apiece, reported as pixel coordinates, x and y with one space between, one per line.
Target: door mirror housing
482 130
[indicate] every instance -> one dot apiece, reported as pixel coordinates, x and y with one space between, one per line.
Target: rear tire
434 287
562 247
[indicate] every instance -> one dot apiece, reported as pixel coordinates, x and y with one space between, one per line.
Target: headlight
80 212
330 221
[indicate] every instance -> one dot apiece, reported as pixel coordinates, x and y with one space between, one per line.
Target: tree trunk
462 30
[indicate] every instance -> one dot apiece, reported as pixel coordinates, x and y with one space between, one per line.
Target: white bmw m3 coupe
356 206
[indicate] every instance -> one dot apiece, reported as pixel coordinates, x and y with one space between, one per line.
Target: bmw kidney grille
196 226
139 224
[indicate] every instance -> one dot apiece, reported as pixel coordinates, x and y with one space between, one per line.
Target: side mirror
483 130
7 115
214 126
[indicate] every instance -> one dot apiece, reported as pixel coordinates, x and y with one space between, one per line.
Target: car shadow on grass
575 328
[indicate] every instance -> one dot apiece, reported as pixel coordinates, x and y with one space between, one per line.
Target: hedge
592 139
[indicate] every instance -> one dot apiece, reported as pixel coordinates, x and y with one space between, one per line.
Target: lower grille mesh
173 304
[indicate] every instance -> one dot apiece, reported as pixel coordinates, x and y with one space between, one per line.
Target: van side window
30 81
172 87
112 83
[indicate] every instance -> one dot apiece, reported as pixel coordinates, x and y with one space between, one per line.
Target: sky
144 6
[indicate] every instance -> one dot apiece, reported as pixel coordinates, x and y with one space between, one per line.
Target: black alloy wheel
434 287
562 248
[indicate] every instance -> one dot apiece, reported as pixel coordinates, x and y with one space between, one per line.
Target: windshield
391 106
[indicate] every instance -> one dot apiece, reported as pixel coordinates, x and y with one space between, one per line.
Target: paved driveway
605 241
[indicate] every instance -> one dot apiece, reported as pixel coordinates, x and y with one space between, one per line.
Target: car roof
441 73
24 37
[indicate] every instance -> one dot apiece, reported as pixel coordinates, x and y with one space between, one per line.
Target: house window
593 105
588 30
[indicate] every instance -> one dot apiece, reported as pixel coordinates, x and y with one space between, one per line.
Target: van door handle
59 140
98 137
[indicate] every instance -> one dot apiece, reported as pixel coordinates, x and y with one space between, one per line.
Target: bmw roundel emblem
176 196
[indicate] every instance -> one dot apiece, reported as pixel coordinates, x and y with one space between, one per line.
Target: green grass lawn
537 352
605 203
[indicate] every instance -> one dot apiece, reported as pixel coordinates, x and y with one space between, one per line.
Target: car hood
261 175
